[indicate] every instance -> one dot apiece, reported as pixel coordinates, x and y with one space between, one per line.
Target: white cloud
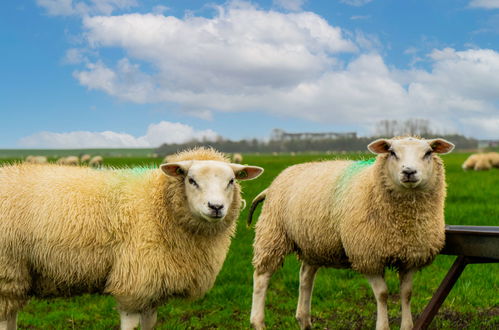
292 5
246 59
87 7
356 3
157 134
486 4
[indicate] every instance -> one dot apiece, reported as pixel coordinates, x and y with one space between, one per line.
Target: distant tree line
384 128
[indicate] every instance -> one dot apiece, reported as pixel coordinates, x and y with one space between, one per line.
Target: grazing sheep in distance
137 234
36 160
96 161
237 158
68 160
366 215
481 161
85 158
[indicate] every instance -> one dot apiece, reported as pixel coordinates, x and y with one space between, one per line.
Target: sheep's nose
215 207
409 171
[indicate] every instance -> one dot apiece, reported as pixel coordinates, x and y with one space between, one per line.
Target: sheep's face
410 161
209 185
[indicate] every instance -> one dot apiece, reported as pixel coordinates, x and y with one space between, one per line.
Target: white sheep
481 161
137 234
85 158
36 160
367 215
96 161
237 158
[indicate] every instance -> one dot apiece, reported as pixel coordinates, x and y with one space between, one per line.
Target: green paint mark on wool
353 169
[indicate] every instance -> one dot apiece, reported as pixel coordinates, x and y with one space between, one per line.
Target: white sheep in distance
481 161
36 160
367 215
68 160
85 158
96 161
237 158
137 234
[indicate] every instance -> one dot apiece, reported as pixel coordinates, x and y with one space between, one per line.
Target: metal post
443 290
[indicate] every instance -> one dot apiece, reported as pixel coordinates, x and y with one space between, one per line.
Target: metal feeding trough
472 245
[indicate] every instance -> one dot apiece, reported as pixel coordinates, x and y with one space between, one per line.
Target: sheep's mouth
409 180
214 217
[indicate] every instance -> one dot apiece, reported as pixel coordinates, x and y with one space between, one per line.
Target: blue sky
132 73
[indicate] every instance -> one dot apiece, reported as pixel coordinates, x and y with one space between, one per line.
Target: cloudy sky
138 73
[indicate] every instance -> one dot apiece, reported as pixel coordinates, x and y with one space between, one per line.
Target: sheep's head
209 184
410 161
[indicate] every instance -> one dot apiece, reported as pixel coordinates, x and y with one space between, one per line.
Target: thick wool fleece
348 214
68 230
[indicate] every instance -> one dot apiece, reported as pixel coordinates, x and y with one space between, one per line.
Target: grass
342 298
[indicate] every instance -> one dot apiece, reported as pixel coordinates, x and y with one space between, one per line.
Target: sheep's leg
10 323
405 298
307 276
260 285
148 319
129 321
380 290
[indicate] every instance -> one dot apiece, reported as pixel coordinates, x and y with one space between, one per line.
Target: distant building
280 135
488 144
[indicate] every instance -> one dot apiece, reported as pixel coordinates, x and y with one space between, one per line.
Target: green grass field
342 298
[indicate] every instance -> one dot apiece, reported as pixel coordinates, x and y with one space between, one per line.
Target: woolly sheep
481 161
96 161
366 215
69 160
36 159
85 158
137 234
237 158
494 159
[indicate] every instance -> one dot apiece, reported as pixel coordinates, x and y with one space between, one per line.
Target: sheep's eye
231 182
393 154
428 153
193 182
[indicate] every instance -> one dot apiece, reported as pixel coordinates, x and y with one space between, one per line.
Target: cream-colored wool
481 161
36 160
85 158
494 159
95 161
129 233
237 158
347 214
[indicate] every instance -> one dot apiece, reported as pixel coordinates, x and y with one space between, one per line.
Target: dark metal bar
443 290
472 244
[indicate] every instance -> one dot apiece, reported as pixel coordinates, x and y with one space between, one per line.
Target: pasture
342 298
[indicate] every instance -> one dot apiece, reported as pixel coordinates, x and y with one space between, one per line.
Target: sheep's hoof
406 326
304 322
258 325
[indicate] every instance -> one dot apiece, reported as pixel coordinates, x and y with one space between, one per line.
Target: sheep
137 234
237 158
96 161
68 160
85 158
494 159
36 159
364 215
470 162
481 161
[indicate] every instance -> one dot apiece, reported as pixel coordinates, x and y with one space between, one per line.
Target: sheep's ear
441 146
176 169
380 146
243 172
